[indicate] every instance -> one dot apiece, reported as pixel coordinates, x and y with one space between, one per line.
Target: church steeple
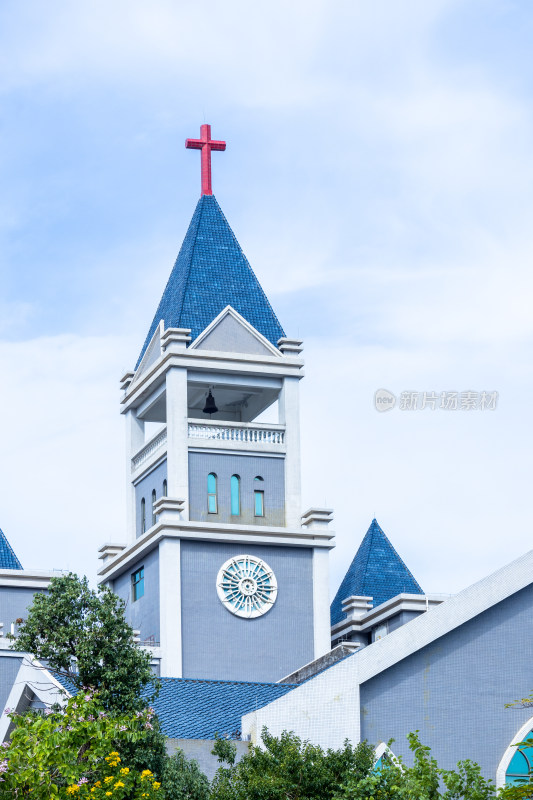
377 571
210 273
8 559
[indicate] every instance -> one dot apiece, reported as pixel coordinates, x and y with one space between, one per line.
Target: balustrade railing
149 448
227 432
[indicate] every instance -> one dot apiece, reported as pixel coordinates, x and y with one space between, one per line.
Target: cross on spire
205 144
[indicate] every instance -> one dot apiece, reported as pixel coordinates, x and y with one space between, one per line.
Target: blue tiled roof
211 272
197 709
8 559
377 571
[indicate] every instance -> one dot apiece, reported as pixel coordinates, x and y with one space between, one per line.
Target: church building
225 576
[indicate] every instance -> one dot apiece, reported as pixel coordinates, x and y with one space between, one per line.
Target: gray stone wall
217 645
200 750
14 602
143 614
154 480
224 465
454 691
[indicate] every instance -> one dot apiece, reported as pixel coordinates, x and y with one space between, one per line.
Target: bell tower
222 574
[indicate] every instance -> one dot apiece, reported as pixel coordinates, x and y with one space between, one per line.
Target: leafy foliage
183 779
288 769
83 634
68 752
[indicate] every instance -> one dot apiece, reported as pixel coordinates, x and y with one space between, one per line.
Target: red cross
205 144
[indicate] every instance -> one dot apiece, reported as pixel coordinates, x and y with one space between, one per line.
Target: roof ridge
200 206
369 549
221 680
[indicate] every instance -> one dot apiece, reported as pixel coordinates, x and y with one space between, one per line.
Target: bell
210 405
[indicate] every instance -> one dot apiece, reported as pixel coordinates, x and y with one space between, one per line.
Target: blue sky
378 175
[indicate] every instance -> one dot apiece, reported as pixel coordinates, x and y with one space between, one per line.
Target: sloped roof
197 709
8 559
377 571
210 273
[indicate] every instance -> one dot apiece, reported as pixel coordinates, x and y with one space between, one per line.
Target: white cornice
209 361
213 532
28 578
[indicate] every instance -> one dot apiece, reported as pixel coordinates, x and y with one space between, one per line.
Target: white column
170 607
321 611
289 415
177 437
134 442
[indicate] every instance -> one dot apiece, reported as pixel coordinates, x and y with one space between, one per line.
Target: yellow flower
108 779
156 785
124 770
145 772
118 784
98 783
73 789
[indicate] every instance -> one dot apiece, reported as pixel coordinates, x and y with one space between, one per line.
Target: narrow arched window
212 493
235 485
165 488
154 498
143 515
259 496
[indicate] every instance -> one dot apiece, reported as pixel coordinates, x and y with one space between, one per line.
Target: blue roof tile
211 272
377 571
8 559
197 709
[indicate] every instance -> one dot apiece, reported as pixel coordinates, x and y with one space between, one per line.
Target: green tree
183 779
425 780
287 769
83 635
69 752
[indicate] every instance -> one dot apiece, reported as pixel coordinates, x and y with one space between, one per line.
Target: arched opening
259 496
154 498
165 488
235 487
517 762
143 515
212 506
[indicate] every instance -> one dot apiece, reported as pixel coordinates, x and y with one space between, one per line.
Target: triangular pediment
231 333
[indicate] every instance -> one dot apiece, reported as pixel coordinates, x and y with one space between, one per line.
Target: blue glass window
521 764
137 584
212 493
143 515
259 497
154 498
165 488
235 484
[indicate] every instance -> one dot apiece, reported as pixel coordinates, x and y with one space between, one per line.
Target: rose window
247 586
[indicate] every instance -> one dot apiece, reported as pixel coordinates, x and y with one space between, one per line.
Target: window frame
154 498
143 515
137 584
235 495
259 495
212 497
